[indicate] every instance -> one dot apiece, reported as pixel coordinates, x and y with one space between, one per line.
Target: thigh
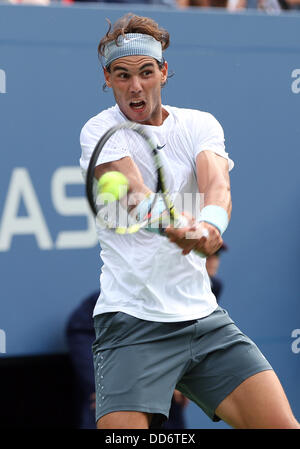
258 403
125 420
223 359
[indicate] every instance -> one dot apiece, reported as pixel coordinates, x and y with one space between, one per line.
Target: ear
164 73
107 77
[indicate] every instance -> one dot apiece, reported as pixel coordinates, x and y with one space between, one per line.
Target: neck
159 119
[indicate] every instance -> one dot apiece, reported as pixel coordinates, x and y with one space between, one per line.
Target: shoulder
193 117
98 124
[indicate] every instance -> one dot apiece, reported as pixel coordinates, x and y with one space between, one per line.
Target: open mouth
137 104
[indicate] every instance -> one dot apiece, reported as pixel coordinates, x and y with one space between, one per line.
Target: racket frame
160 186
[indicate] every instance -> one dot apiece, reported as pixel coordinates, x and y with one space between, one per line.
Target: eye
123 75
147 73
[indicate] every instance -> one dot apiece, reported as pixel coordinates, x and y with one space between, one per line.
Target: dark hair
130 23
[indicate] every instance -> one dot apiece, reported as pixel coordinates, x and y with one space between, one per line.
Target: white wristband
216 216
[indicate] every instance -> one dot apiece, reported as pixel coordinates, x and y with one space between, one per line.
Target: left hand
191 238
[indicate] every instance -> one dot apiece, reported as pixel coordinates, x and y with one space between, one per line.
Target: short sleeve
113 150
87 142
209 136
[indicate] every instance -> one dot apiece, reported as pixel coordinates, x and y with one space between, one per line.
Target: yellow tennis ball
113 185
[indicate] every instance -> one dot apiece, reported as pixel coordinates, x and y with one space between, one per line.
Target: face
136 83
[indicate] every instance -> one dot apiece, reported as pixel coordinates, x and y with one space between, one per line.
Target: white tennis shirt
144 274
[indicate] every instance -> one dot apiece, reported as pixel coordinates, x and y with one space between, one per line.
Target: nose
135 85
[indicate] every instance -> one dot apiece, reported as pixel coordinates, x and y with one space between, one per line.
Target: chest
176 153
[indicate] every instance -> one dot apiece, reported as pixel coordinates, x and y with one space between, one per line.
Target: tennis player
158 325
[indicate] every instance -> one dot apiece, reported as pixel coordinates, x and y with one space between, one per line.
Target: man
158 325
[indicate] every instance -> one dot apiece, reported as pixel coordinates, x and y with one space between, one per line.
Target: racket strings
118 215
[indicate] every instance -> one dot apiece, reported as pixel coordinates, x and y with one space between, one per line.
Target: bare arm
126 166
213 180
214 183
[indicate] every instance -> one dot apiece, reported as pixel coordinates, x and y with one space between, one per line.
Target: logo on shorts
160 148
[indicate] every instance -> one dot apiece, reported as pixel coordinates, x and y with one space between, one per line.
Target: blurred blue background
244 68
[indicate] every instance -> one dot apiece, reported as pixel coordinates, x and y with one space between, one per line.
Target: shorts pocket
104 320
102 323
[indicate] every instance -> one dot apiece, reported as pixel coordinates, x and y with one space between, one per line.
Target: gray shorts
139 363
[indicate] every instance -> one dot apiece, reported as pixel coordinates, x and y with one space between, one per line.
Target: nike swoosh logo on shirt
160 148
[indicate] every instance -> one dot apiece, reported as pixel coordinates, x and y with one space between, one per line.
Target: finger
176 233
210 246
177 240
197 233
191 233
187 251
195 244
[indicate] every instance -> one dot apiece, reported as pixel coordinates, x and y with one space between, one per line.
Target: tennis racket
113 215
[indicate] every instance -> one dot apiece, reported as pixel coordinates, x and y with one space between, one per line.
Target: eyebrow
119 67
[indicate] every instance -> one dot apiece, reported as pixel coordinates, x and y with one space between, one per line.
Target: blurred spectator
208 3
293 4
176 415
80 336
30 2
212 266
269 6
172 3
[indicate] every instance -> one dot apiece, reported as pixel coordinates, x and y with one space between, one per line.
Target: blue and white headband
132 44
